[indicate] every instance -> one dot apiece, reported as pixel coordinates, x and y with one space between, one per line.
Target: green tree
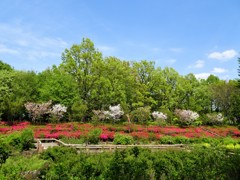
144 74
5 66
238 72
81 61
58 86
6 91
170 89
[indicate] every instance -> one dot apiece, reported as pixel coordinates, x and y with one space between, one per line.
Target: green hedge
134 163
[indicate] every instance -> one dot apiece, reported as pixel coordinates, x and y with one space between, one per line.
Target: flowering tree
57 111
186 117
215 119
115 113
159 115
100 115
37 111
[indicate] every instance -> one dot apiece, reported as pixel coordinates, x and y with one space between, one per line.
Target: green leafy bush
27 139
93 136
122 139
72 140
4 153
141 115
20 167
79 111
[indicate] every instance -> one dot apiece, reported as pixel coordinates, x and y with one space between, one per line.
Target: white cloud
26 45
219 70
156 49
106 49
5 50
198 64
176 50
225 55
170 62
202 75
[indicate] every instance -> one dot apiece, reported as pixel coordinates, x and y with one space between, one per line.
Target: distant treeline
85 81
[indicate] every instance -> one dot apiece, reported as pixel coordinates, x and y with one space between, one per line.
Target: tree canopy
87 81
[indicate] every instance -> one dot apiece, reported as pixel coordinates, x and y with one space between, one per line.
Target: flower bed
138 132
4 128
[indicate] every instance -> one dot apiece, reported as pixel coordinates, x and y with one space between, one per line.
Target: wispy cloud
24 44
5 50
176 50
219 70
223 56
170 62
106 50
202 75
198 64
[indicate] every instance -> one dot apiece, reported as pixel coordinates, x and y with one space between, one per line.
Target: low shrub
27 139
94 136
4 153
141 115
73 140
166 140
122 139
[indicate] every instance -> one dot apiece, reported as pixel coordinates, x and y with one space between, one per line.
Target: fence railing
110 147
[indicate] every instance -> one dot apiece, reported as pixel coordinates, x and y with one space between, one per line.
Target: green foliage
5 66
82 83
66 163
81 61
141 115
27 139
79 111
4 153
73 140
14 141
20 167
57 85
123 139
20 141
93 136
133 163
58 153
166 140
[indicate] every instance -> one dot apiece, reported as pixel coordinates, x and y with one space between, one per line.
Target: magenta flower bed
77 130
4 128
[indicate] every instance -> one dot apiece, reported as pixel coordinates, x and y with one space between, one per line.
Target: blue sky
200 37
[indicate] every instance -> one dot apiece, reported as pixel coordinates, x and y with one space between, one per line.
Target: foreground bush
123 139
19 141
134 163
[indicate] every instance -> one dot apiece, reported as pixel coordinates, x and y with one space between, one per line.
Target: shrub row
135 163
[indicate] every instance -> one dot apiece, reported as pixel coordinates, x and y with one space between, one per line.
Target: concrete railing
110 147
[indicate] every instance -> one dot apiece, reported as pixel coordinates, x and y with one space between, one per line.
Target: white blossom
159 115
115 112
187 115
36 111
216 117
58 110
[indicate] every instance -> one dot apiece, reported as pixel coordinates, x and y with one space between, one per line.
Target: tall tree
5 66
144 73
239 72
58 86
81 61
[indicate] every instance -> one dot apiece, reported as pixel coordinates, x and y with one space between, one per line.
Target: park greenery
89 87
134 163
91 99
